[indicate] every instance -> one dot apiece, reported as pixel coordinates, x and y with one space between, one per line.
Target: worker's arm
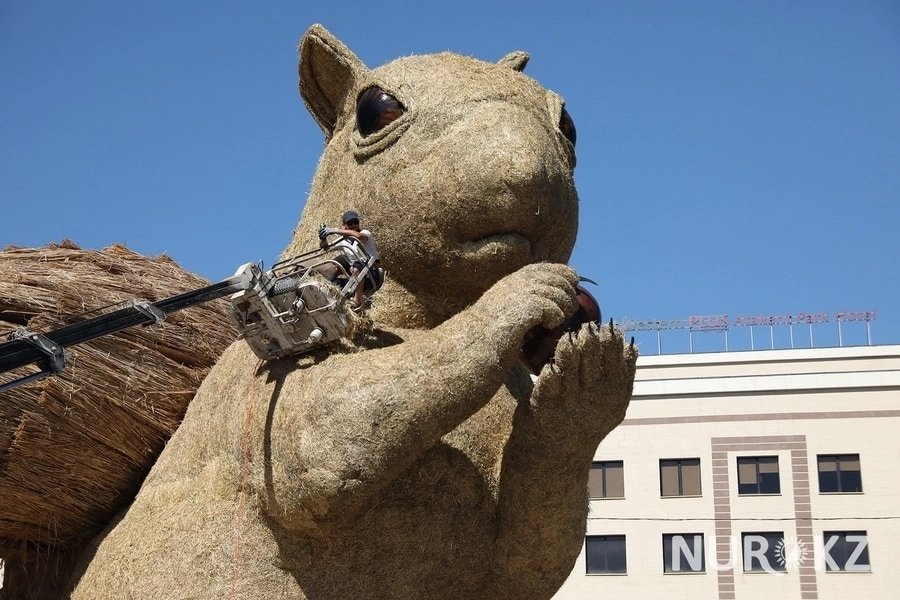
353 233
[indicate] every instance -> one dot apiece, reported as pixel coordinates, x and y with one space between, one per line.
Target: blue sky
738 158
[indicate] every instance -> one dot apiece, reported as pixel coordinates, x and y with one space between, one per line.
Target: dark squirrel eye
567 126
375 108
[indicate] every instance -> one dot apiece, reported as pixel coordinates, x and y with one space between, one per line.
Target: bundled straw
75 447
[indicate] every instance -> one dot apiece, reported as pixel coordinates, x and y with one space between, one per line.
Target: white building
745 475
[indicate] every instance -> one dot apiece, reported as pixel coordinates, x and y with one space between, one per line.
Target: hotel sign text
721 323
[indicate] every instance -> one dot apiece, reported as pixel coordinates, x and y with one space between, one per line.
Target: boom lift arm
47 350
284 311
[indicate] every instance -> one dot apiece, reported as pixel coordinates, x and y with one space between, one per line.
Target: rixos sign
721 322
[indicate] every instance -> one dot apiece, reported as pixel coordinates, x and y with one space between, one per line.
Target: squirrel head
462 170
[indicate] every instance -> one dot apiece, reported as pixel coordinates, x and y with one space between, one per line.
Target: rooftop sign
722 323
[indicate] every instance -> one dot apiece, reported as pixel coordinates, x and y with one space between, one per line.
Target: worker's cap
350 215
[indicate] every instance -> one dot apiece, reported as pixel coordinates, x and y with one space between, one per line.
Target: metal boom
47 350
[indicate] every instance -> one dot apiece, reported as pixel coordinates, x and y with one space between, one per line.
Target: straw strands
75 447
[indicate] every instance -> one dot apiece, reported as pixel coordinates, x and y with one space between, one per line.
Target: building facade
745 475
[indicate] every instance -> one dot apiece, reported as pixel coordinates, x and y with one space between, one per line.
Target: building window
763 551
683 553
758 475
846 551
839 473
605 554
679 477
606 479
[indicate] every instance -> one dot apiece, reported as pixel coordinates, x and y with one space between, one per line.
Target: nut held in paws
540 343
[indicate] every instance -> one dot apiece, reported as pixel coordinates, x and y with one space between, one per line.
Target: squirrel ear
515 60
328 73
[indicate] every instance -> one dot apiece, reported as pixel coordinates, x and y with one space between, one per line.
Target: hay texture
75 447
423 462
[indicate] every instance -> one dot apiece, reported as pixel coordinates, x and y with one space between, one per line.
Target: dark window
839 473
763 551
606 479
846 551
683 553
679 477
758 475
604 554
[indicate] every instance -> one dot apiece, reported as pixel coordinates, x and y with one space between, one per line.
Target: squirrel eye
375 108
567 125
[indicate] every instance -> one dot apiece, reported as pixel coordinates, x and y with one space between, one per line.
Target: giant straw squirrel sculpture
425 462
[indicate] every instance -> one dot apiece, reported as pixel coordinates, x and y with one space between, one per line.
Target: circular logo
790 552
